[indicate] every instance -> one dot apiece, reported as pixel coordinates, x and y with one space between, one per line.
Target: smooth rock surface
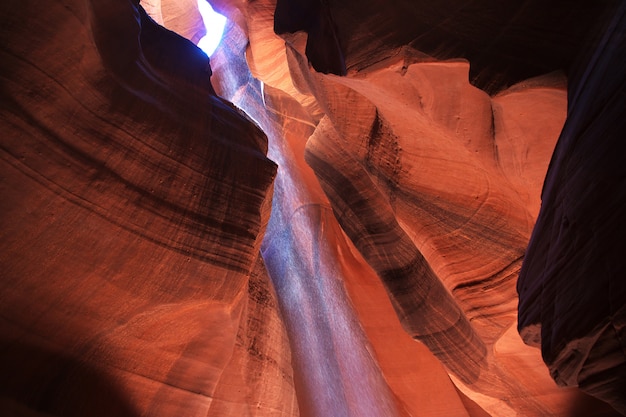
129 231
401 149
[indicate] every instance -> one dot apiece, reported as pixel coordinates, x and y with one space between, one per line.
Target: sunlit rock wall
142 273
133 202
436 183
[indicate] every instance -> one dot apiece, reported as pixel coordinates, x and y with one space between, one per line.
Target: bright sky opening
214 24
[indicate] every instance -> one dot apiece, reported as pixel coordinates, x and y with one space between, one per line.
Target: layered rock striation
130 229
401 151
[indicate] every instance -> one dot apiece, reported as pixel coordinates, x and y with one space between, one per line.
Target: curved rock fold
350 210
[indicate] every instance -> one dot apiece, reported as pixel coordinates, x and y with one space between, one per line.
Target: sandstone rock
437 184
402 151
129 227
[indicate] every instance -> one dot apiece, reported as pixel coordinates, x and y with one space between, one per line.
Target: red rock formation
142 273
133 205
357 155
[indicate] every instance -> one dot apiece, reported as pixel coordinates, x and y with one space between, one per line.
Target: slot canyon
357 208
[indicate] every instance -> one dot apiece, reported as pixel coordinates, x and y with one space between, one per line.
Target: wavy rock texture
340 365
437 184
130 229
142 273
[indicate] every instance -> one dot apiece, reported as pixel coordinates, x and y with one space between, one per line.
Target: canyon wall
327 218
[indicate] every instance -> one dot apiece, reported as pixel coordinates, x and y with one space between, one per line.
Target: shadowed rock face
505 43
571 287
142 273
